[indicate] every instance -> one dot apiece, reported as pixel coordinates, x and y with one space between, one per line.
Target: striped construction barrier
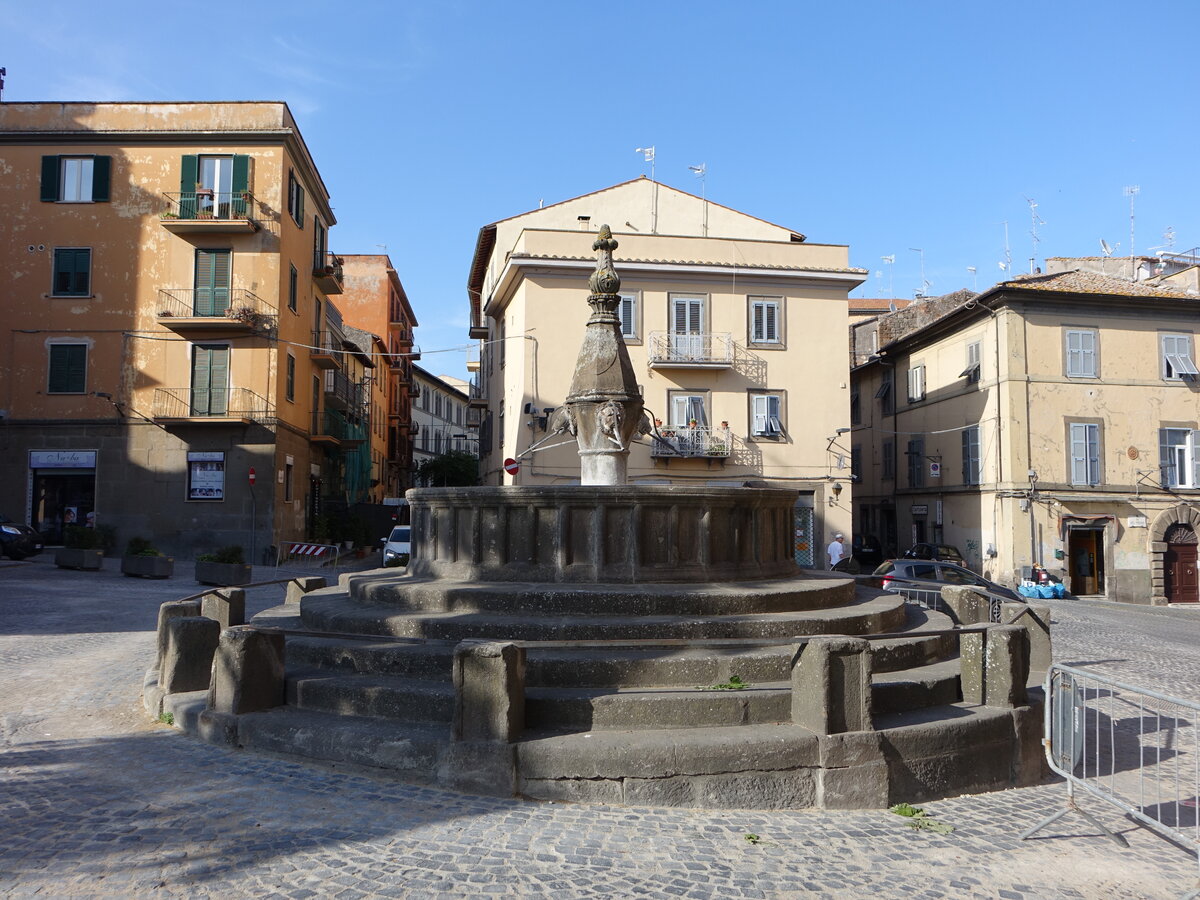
307 552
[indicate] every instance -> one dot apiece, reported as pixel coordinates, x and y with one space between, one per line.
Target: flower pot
223 574
148 566
70 558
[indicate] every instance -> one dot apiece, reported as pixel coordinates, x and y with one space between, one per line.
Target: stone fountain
594 642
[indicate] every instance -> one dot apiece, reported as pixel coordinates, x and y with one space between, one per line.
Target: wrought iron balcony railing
238 306
706 349
205 204
693 441
196 404
327 270
331 423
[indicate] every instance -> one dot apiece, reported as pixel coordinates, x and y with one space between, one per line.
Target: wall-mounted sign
206 475
935 470
1136 522
919 509
62 459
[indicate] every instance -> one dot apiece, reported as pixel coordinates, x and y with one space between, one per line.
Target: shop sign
206 475
62 459
919 509
1136 522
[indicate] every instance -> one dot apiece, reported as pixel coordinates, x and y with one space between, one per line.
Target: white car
397 546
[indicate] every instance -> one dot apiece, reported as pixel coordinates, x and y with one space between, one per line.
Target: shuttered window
627 312
295 199
1179 460
970 455
1085 453
210 379
76 179
766 415
213 272
68 369
72 272
688 408
764 321
916 462
1081 353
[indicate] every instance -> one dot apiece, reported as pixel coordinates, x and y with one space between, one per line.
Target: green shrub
76 537
233 554
141 547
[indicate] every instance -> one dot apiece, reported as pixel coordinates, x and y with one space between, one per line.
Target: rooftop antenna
701 172
1006 264
920 295
890 259
1106 249
648 156
1035 221
974 278
1131 191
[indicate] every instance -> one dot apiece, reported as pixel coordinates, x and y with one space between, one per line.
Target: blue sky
885 126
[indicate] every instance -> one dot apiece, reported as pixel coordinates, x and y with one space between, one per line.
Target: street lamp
1033 555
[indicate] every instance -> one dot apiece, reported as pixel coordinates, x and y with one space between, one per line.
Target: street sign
252 476
511 466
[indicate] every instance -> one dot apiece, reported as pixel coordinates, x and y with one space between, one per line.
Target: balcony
334 429
342 393
706 350
326 351
477 399
700 441
233 406
209 212
478 332
327 273
226 310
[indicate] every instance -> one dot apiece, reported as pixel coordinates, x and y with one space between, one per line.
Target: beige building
1049 420
441 420
734 327
169 324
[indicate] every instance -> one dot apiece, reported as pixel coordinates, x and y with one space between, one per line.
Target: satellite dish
1108 251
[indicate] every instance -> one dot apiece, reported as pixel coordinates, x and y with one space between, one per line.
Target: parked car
397 546
896 573
18 541
867 552
943 552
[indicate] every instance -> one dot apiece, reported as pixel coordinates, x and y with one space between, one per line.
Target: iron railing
230 403
236 304
327 269
325 344
703 349
204 204
343 392
692 441
334 424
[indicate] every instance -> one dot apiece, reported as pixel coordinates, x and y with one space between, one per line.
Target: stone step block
377 696
935 684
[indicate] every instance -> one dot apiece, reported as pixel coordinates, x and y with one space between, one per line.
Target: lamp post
1033 555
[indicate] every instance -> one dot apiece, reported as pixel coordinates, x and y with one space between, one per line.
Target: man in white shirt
836 549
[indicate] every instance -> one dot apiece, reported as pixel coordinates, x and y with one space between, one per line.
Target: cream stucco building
1049 420
735 328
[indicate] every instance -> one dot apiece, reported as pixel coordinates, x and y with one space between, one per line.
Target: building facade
170 324
1051 420
441 423
734 325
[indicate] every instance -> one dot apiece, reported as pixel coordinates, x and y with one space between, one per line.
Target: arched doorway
1180 584
1164 534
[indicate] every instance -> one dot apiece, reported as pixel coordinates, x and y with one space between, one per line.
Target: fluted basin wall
598 534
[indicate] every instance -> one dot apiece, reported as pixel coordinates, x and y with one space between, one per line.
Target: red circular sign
511 466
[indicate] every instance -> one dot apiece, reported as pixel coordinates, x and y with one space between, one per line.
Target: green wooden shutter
101 178
219 385
210 379
189 174
50 176
72 271
241 173
201 389
212 282
68 369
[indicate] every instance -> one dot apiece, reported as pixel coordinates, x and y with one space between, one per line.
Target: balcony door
687 326
213 273
215 179
210 379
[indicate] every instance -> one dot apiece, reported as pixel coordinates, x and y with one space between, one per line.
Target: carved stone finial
605 279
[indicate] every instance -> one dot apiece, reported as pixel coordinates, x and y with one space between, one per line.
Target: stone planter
222 574
70 558
148 566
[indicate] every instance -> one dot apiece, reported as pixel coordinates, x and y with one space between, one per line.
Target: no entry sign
511 466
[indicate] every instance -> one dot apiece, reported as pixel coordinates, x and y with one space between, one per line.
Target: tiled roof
1080 282
876 304
691 262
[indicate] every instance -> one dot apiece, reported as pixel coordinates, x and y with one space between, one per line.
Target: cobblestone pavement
98 801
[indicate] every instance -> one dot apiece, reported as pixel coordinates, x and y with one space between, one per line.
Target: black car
18 541
943 552
896 574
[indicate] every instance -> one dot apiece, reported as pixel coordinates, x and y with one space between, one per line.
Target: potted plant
83 548
223 567
143 560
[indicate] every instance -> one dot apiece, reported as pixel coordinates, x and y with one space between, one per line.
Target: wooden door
1086 561
1179 566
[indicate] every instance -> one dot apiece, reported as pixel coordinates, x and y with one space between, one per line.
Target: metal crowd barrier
307 552
1133 748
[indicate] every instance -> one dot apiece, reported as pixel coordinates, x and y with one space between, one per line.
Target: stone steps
414 595
863 615
377 696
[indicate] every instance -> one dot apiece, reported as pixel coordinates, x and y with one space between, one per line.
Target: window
688 407
765 321
72 272
687 328
971 372
288 469
68 369
293 283
295 199
916 462
213 276
1178 458
210 379
766 415
970 455
888 461
884 394
1081 353
1177 363
627 312
855 407
291 378
320 245
1085 452
75 179
856 462
916 383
